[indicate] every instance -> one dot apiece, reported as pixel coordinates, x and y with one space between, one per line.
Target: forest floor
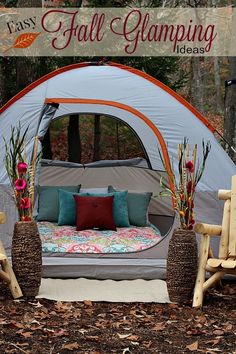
34 326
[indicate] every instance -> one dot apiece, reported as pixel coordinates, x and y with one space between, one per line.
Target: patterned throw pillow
94 212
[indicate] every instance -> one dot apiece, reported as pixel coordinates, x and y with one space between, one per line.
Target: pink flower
26 218
20 184
25 203
190 166
22 167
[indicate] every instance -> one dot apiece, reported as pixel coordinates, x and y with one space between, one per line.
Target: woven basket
27 257
182 265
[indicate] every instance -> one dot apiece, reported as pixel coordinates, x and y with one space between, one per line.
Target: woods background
201 80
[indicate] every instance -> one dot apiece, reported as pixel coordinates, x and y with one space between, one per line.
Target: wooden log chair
6 272
226 261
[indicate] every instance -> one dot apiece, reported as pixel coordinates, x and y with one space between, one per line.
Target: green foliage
14 151
21 171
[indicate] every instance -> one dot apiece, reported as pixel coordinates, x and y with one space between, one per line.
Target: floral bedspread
65 239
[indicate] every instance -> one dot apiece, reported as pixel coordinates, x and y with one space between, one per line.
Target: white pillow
99 190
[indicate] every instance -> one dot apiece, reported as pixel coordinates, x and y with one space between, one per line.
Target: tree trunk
2 82
197 85
97 138
117 140
74 141
219 99
230 110
47 151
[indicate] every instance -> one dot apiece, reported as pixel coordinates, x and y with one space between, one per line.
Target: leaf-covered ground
49 327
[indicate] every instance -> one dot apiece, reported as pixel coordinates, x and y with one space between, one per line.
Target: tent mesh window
84 138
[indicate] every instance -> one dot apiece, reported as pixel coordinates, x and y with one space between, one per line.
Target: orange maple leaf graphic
24 40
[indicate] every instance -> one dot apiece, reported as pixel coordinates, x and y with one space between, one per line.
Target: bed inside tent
158 117
100 253
120 250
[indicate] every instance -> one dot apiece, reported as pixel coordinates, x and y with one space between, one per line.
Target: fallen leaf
15 325
133 338
63 306
201 319
218 332
88 303
60 333
213 350
26 334
147 344
134 313
37 304
212 341
193 346
22 344
229 327
173 306
123 336
195 332
93 338
49 330
135 343
103 315
159 327
71 346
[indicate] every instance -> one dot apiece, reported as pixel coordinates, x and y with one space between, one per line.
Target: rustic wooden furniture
6 272
225 263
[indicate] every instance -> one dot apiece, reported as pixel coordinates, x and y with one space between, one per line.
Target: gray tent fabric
122 177
136 162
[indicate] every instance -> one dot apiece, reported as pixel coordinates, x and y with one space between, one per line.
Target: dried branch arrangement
21 172
190 171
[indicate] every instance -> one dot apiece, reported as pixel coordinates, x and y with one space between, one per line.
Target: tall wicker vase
182 265
27 257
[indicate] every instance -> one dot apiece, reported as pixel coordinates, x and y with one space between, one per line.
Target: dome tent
158 116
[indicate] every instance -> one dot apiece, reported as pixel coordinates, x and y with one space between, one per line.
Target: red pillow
94 212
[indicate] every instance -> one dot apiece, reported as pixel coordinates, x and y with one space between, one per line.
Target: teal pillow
137 207
48 207
119 209
67 208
